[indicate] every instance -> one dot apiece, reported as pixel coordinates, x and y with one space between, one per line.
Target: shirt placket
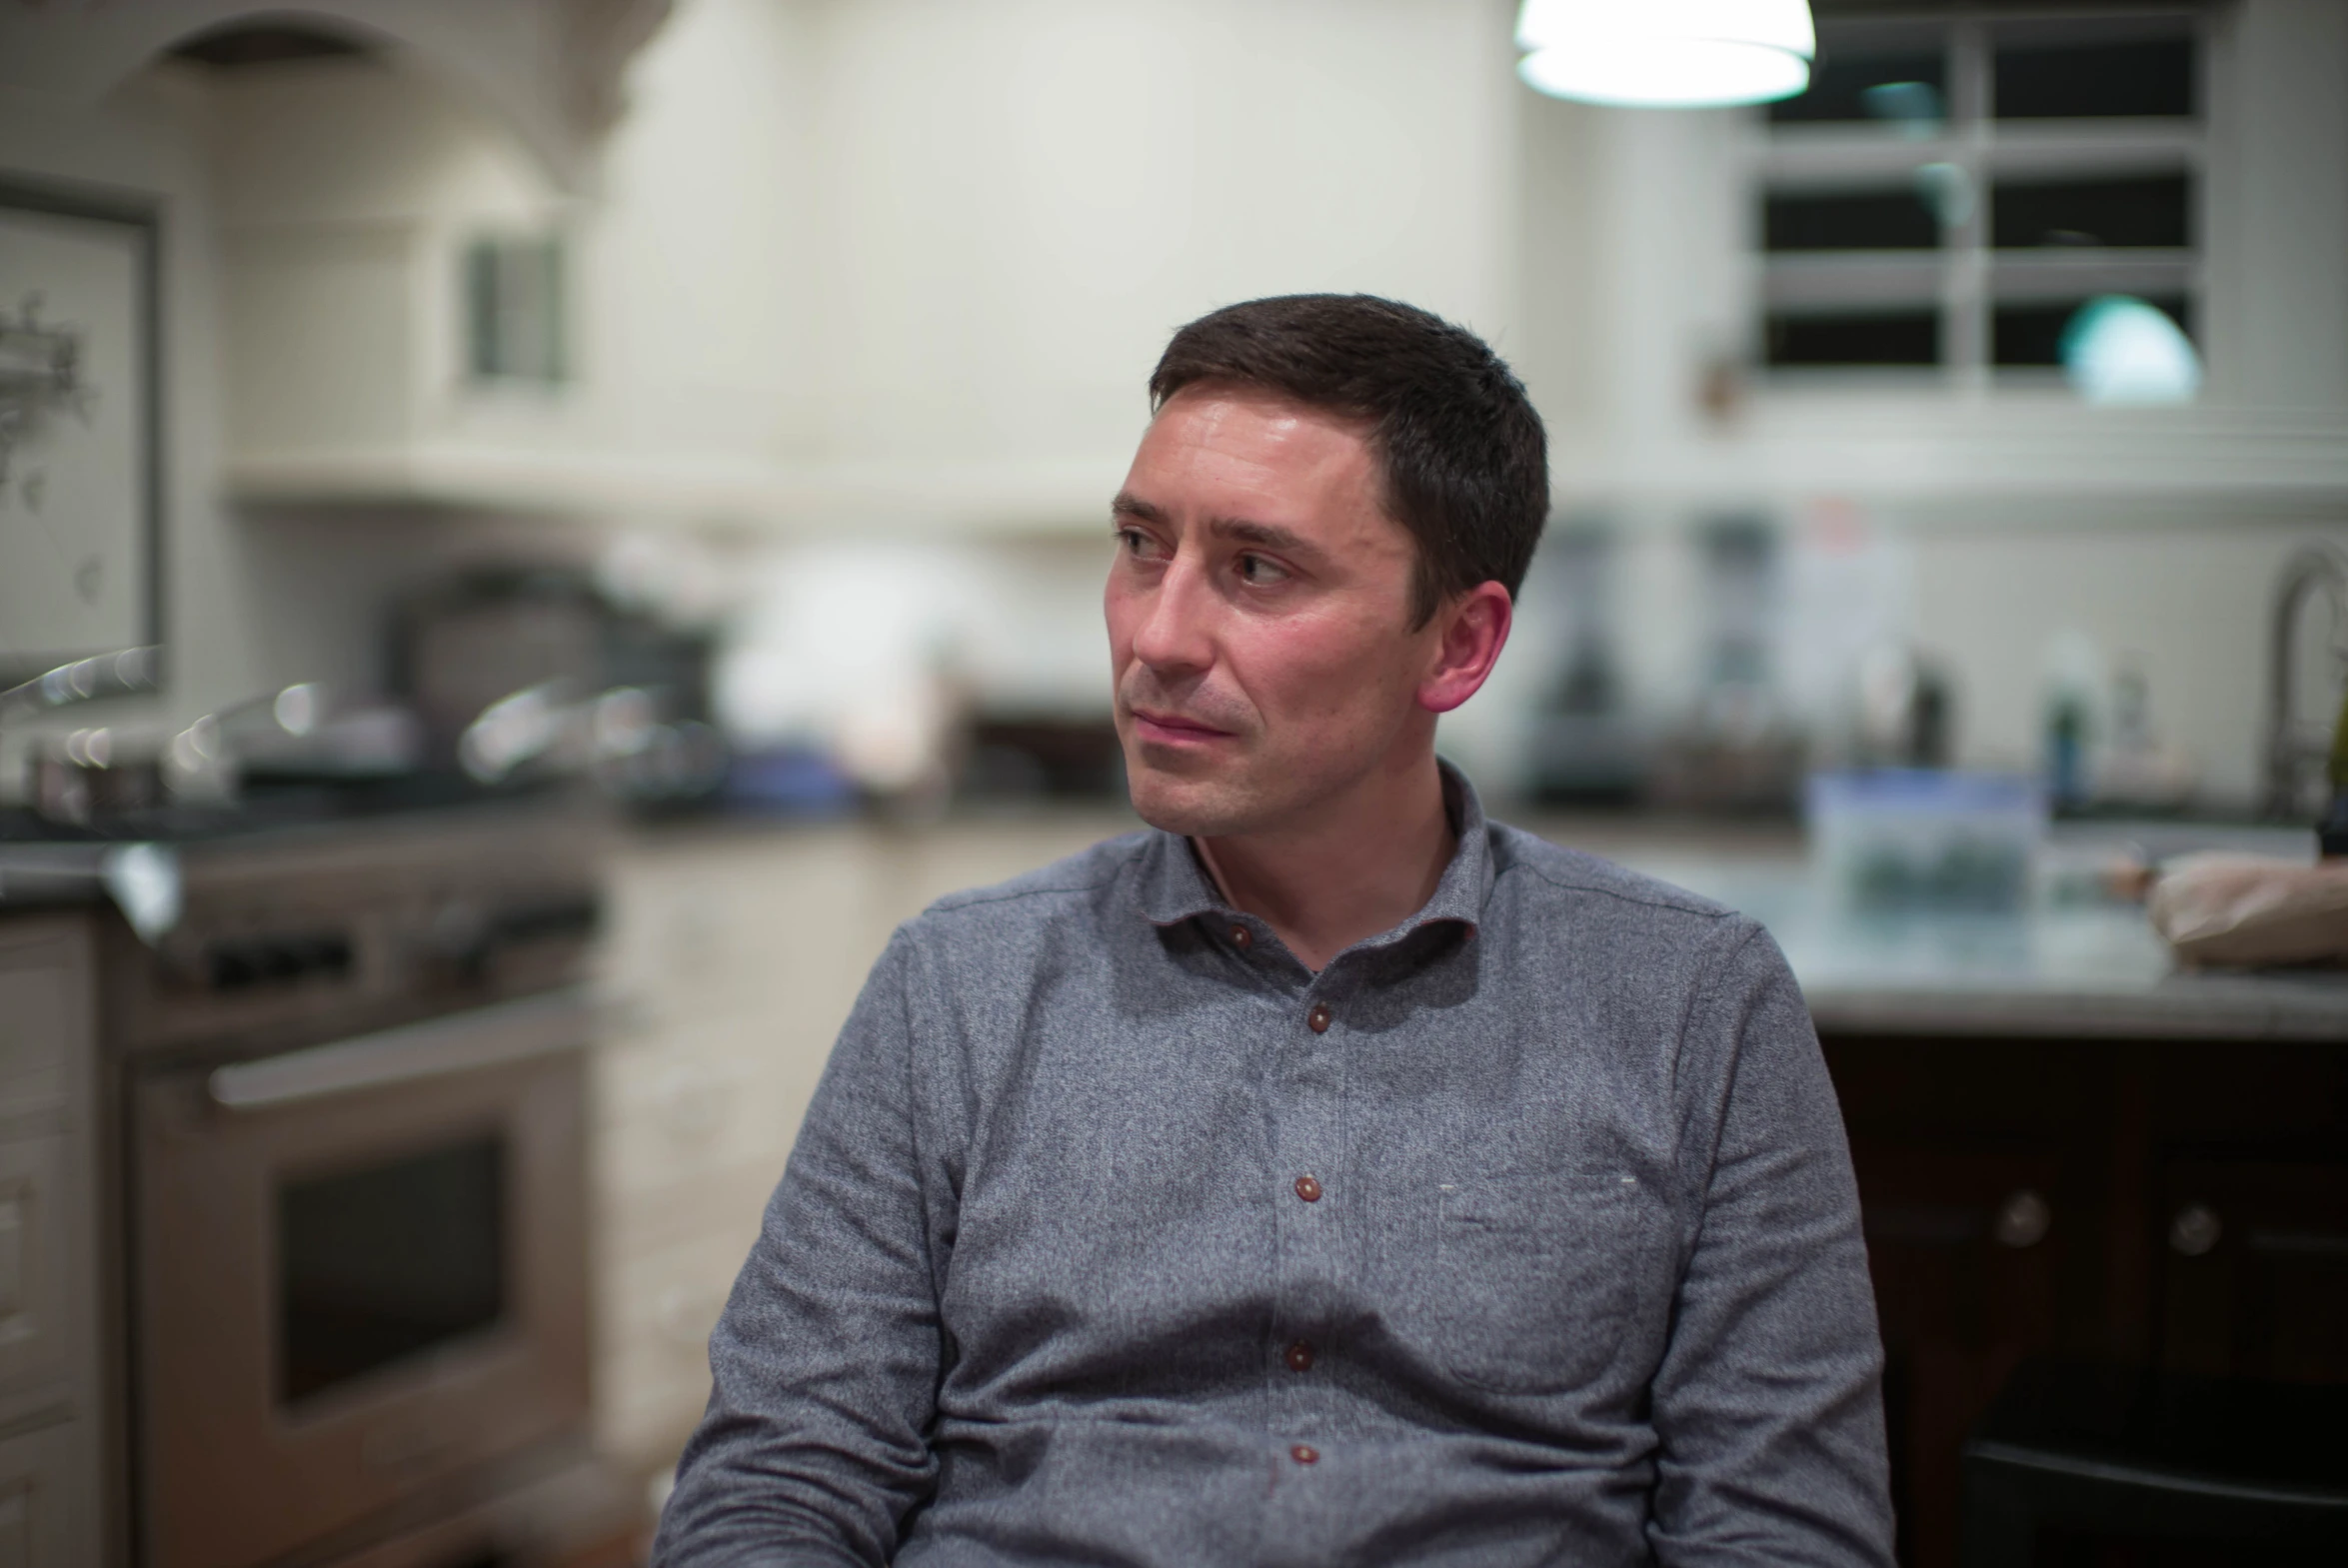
1312 1205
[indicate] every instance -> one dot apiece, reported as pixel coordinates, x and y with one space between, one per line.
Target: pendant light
1666 54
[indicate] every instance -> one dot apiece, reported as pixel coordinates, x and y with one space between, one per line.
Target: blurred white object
2252 910
1675 54
2120 350
144 880
2136 767
513 730
201 761
674 578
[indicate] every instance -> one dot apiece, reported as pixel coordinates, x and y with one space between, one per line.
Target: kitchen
746 379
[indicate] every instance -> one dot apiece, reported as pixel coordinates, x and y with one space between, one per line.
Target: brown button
1243 939
1318 1019
1305 1454
1299 1356
1308 1189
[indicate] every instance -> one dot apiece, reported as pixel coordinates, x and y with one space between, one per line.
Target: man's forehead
1247 445
1230 404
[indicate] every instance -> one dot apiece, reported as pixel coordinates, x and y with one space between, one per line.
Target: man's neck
1365 864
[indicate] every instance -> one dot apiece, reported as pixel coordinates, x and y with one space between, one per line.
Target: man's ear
1474 629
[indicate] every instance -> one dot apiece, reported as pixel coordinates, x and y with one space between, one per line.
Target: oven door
362 1268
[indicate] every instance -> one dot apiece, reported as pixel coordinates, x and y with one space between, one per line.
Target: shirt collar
1174 888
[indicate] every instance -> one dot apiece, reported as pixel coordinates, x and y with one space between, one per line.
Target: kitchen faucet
2287 751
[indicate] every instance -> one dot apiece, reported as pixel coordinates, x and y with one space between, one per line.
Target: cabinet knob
2195 1230
2022 1220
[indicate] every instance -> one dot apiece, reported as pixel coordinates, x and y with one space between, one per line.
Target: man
1326 1175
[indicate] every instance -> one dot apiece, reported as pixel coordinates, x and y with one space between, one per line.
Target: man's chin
1194 807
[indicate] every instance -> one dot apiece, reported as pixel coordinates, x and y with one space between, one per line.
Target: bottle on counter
2074 675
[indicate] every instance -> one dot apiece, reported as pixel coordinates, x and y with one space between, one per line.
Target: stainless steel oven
354 1230
367 1263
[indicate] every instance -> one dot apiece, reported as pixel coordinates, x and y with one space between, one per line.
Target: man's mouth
1173 729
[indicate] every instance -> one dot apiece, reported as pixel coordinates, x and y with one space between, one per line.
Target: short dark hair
1466 460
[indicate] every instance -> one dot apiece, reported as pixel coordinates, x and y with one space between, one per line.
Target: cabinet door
1967 1247
2254 1272
48 1284
49 1300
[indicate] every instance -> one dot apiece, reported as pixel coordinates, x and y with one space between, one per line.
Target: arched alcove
548 70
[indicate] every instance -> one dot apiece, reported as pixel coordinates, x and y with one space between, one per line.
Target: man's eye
1259 572
1133 542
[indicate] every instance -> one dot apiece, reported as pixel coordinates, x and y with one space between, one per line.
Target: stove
340 1090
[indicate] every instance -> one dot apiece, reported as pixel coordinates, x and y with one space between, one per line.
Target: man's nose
1175 635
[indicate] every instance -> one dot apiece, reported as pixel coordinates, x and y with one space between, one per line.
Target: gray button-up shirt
1541 1249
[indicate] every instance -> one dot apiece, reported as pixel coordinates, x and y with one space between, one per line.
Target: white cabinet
354 194
734 957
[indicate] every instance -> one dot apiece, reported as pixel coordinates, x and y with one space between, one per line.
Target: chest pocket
1538 1278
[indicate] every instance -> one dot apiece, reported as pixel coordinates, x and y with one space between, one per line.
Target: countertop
2084 969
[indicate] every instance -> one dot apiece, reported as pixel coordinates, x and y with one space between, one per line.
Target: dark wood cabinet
2174 1203
1969 1262
2254 1279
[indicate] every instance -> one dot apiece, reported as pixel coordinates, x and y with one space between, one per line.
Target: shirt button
1305 1454
1243 939
1308 1189
1318 1019
1299 1356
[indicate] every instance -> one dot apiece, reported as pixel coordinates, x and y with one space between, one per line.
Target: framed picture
81 470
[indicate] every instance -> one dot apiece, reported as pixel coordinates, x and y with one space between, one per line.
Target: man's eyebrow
1269 536
1128 505
1237 531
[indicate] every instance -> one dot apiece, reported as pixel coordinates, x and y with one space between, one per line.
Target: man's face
1259 615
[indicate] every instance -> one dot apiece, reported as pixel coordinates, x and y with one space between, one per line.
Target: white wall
2188 606
1020 200
918 257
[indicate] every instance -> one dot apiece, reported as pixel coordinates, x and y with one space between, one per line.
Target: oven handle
488 1036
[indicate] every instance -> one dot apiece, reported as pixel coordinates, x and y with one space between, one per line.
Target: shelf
1005 499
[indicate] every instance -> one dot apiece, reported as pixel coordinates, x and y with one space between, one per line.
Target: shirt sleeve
1769 1399
825 1364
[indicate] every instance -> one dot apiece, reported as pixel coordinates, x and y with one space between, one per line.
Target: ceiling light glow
1666 53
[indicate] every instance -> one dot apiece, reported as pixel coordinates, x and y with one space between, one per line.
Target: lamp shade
1666 53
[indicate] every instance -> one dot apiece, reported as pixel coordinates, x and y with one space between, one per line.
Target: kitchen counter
48 865
2088 972
2088 967
2093 969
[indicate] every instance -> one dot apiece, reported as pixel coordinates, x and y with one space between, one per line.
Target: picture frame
81 424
